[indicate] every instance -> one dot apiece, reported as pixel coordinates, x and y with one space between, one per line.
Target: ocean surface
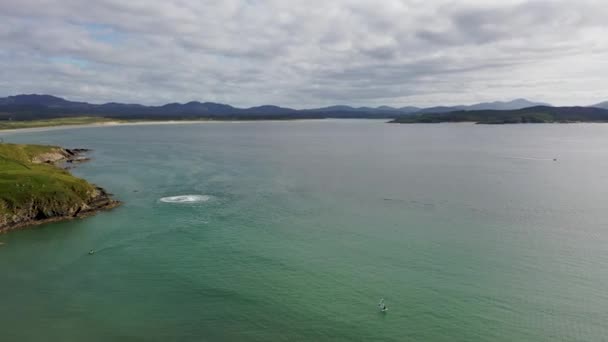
293 231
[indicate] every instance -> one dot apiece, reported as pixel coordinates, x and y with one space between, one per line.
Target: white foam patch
186 199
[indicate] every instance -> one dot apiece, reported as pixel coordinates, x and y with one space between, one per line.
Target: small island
36 188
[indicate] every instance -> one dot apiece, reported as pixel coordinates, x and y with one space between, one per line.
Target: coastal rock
51 157
59 155
36 214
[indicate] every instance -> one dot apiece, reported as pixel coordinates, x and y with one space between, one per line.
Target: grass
24 153
24 184
81 120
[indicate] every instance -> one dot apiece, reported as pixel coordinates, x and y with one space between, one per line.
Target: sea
295 230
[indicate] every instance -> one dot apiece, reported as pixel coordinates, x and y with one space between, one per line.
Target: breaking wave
186 199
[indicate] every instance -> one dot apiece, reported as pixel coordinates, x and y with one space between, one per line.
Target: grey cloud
304 53
467 24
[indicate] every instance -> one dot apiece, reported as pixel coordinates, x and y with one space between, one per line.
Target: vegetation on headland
34 190
539 114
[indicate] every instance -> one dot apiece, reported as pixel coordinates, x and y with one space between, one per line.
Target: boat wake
186 199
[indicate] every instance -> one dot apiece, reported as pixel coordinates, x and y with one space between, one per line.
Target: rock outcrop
36 214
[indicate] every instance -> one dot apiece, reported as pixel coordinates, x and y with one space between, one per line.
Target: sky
307 53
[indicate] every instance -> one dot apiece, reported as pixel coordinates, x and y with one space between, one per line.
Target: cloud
305 53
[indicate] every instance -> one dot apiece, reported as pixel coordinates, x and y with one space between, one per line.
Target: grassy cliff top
25 184
23 153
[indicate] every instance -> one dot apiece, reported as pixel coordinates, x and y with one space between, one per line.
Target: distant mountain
193 107
386 108
381 110
497 105
37 100
269 109
339 108
409 109
601 105
32 106
120 105
538 114
508 105
441 109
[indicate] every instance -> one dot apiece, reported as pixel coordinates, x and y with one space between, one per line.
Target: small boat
382 306
91 252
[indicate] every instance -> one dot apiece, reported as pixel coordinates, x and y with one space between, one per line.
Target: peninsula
537 114
36 189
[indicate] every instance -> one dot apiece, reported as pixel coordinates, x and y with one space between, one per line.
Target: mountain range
33 106
601 105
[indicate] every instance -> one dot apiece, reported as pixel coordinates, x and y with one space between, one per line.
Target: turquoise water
469 232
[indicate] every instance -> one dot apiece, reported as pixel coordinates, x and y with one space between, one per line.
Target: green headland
35 189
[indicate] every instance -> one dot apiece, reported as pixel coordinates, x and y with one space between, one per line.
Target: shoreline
83 214
4 132
145 123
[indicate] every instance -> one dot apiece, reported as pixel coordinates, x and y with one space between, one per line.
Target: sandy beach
142 123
